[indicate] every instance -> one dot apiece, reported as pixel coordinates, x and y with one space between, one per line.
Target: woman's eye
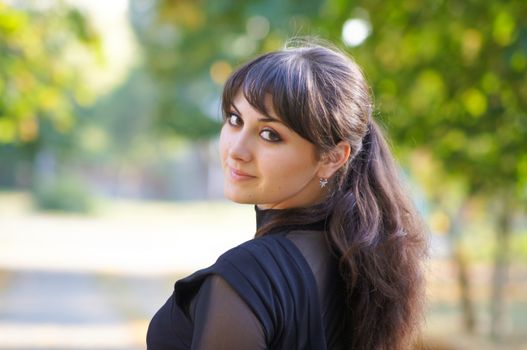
234 120
270 135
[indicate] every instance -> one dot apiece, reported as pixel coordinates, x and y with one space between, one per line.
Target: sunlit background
110 187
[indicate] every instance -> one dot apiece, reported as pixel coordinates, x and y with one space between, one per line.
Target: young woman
336 258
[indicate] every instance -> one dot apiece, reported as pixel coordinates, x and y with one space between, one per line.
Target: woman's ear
334 159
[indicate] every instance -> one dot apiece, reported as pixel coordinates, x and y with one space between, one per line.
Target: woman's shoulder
271 276
272 245
256 269
258 258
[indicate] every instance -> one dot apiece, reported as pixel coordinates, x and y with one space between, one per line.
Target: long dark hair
372 226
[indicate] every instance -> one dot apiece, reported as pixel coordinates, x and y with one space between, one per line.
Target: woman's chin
237 197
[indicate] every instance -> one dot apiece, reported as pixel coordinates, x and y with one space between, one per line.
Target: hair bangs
280 77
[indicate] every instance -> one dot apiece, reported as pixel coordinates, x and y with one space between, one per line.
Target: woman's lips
239 175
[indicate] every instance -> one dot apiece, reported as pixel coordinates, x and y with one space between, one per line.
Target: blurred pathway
74 282
54 310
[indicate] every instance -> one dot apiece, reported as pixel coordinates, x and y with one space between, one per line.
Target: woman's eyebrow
266 118
270 119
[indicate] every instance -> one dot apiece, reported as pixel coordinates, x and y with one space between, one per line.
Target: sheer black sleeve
222 320
258 295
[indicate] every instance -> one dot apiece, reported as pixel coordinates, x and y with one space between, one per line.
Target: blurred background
110 187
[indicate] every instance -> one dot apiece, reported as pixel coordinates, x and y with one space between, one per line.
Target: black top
279 291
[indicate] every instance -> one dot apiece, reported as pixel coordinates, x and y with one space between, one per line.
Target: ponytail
375 232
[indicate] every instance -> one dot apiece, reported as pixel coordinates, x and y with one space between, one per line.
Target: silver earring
323 182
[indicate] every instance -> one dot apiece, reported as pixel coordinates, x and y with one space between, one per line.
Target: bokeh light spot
257 27
472 40
7 130
475 102
519 61
355 31
28 129
220 71
503 29
243 46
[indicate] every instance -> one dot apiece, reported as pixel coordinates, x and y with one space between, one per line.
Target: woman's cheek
224 146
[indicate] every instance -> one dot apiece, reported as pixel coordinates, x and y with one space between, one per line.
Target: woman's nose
240 148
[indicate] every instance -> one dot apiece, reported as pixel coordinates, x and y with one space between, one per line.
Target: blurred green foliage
119 122
64 193
38 80
191 47
41 87
449 77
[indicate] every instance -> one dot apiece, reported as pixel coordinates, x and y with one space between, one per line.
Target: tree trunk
467 304
459 259
500 276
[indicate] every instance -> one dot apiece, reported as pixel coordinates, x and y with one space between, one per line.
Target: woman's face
265 162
